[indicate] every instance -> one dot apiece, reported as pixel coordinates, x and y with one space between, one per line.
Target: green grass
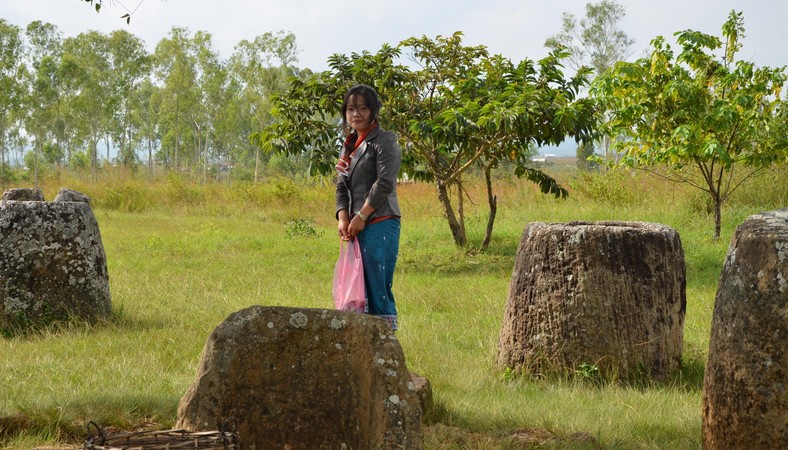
182 257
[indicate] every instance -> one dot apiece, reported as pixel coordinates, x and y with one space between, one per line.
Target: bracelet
361 216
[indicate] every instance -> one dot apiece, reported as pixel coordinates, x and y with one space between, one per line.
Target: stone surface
745 390
52 264
24 194
305 379
68 195
423 390
607 295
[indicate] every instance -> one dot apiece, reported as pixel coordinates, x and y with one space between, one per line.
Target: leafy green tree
259 69
597 39
461 109
212 96
472 108
52 153
44 118
585 151
12 71
175 67
87 59
146 114
130 66
695 116
80 161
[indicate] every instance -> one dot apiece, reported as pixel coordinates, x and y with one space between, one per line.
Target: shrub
613 187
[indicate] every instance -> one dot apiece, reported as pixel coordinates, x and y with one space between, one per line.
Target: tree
44 117
465 107
130 66
259 69
11 88
175 67
696 116
211 84
585 151
146 112
87 57
461 109
596 40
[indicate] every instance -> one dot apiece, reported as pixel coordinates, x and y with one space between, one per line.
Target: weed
508 375
301 228
587 371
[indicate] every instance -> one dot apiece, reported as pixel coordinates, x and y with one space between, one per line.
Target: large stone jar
52 264
605 298
745 390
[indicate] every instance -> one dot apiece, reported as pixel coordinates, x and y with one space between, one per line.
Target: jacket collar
363 148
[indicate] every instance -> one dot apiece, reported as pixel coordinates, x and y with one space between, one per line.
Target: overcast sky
516 29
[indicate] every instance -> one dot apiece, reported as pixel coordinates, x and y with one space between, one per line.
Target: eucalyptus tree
146 115
212 94
44 118
130 66
12 72
461 108
701 116
175 63
260 69
87 57
596 40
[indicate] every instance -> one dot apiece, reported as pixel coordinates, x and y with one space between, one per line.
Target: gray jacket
372 176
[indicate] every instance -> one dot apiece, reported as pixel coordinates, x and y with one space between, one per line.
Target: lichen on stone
298 320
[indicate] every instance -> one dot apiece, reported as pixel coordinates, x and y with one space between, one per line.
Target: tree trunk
256 164
205 158
94 160
106 141
717 216
605 296
744 395
177 132
3 152
150 158
492 201
35 164
460 208
454 225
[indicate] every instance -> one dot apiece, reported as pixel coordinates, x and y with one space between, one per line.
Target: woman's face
357 114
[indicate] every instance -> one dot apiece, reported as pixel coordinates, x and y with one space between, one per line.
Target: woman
366 198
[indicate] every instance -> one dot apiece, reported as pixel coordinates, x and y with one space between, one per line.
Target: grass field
182 257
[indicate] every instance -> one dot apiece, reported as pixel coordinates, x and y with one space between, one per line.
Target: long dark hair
370 98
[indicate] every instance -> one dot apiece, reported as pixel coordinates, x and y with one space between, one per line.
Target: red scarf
347 155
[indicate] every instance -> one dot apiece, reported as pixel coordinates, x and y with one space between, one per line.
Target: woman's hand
356 226
343 224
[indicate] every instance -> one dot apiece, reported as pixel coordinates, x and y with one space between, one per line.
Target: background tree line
92 99
692 116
